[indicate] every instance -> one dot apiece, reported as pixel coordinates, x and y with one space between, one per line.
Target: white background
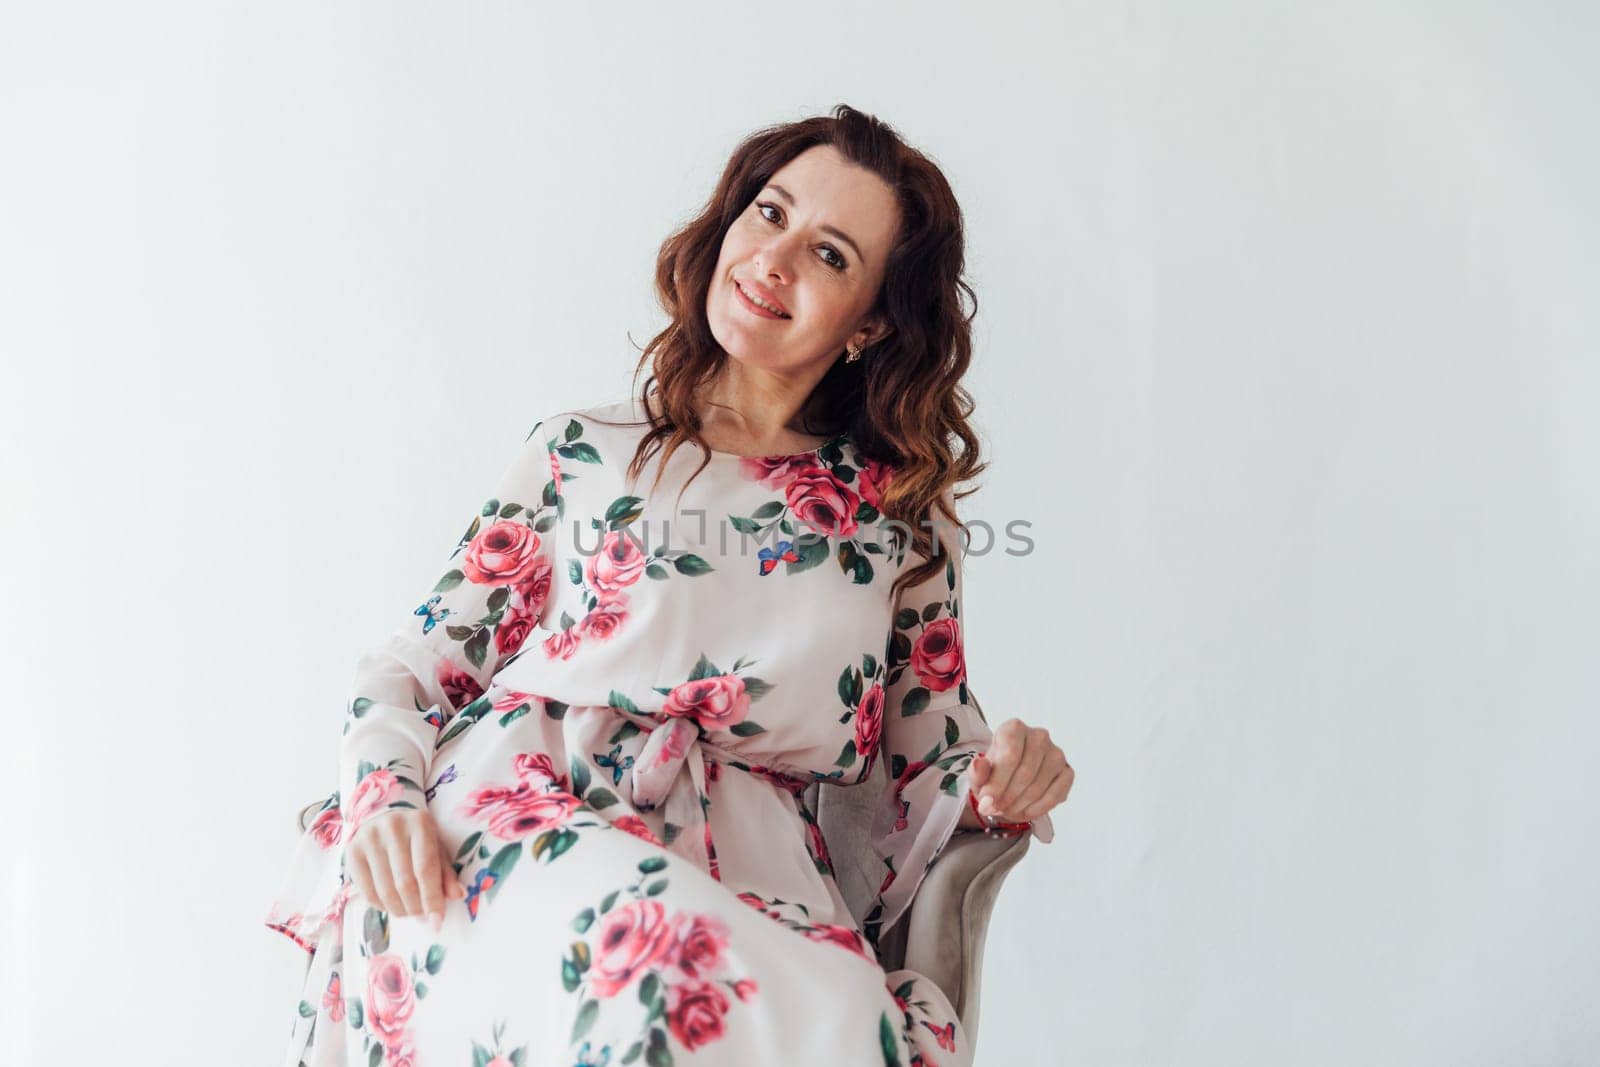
1286 348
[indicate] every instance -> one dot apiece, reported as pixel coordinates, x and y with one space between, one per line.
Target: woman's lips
753 306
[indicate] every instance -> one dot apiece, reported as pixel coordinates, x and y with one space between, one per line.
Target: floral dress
612 704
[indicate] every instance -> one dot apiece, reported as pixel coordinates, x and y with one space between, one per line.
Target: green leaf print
585 1020
891 1055
849 687
501 865
623 510
691 564
853 563
582 451
812 550
375 931
915 702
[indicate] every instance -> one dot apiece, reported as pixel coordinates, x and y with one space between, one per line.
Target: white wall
1287 350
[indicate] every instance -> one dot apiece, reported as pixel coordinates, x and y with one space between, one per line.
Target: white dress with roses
612 703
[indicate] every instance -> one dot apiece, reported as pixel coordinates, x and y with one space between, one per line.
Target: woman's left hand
1023 775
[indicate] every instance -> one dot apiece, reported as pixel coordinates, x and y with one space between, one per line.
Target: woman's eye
762 207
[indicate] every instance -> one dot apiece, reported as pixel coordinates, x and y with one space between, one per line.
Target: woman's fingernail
986 804
437 920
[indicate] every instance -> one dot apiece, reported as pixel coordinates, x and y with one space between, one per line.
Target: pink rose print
391 999
819 845
460 688
869 721
637 827
536 767
402 1055
823 502
775 472
504 553
673 748
716 702
633 939
937 657
843 936
619 563
561 645
517 813
744 988
604 618
335 912
695 1012
518 621
874 476
701 942
328 828
534 588
374 792
510 700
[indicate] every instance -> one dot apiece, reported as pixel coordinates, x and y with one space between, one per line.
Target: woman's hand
398 864
1023 775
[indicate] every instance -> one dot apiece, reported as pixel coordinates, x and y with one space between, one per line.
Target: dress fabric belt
657 781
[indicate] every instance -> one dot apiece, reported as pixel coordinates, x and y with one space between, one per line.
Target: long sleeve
933 726
444 655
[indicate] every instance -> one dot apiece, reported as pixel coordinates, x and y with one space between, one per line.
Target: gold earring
855 354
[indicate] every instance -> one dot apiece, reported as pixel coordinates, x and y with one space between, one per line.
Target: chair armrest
948 921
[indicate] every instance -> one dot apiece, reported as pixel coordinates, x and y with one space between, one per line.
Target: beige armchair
943 932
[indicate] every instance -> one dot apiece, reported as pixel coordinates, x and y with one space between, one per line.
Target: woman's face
814 241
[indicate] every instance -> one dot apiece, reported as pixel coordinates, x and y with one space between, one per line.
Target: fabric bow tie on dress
657 777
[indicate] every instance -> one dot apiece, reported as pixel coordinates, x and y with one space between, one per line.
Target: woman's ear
870 334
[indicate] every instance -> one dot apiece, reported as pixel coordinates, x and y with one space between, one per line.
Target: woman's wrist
973 819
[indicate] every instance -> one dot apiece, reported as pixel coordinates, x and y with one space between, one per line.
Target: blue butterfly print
785 554
617 766
599 1059
433 616
448 776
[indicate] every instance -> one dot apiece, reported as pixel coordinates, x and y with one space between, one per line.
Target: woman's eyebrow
835 231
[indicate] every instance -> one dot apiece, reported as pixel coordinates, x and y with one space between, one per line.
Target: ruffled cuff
313 892
913 828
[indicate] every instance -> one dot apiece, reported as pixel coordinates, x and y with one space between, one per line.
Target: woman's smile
749 302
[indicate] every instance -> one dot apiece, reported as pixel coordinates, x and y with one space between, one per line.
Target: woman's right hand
397 862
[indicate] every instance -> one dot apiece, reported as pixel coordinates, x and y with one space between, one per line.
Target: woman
570 826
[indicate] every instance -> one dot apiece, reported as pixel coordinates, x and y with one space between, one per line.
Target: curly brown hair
902 401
